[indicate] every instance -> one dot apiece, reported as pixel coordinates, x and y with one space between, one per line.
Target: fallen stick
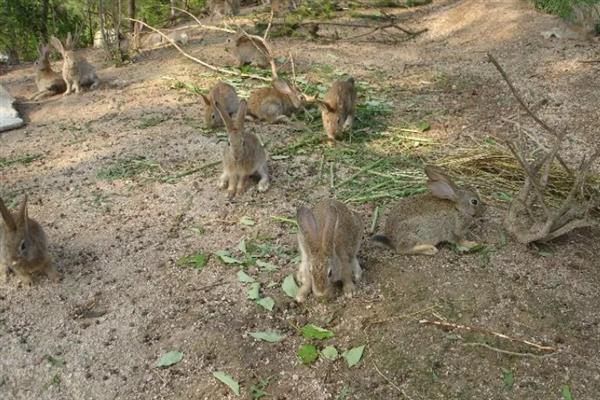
197 60
451 325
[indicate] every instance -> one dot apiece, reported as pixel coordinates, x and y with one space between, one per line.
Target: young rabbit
76 71
329 239
249 51
226 96
276 103
47 80
23 246
417 224
337 108
244 157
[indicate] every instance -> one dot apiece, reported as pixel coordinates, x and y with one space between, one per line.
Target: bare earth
124 301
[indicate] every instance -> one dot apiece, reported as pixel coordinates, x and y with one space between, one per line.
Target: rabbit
224 7
329 239
276 103
248 50
23 246
244 157
417 224
226 96
47 80
337 108
76 71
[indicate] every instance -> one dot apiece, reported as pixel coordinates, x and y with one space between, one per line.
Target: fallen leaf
289 286
565 392
228 380
267 303
311 331
330 353
508 378
267 336
244 277
254 291
266 266
308 353
226 258
354 355
169 359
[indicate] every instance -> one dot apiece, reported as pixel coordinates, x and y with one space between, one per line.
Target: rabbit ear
441 185
225 117
282 86
325 106
241 115
328 233
40 49
206 99
57 44
7 216
22 214
308 226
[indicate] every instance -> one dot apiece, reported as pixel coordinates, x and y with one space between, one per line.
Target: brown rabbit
337 108
47 80
76 72
23 247
417 224
226 96
244 157
275 103
248 50
329 239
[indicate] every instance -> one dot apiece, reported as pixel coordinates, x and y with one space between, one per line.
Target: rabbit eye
474 202
329 273
23 246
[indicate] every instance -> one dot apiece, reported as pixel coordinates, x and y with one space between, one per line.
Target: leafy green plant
26 159
195 261
128 168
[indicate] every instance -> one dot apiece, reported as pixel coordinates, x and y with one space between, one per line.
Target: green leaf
289 286
423 126
308 353
330 353
197 261
169 359
267 303
311 331
503 197
280 157
226 258
508 379
254 291
267 336
354 355
242 246
544 250
565 392
247 221
244 277
228 380
266 266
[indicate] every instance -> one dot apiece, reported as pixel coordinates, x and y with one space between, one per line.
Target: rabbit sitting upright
417 224
329 239
23 246
47 80
76 71
244 157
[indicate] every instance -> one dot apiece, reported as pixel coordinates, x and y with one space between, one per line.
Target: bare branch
203 26
197 60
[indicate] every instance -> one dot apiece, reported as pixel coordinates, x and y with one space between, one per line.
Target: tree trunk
44 21
131 13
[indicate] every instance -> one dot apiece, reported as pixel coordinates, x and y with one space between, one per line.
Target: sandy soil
124 301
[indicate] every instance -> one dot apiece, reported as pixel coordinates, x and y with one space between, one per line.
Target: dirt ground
125 300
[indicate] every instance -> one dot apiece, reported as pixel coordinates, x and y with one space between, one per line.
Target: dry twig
450 325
